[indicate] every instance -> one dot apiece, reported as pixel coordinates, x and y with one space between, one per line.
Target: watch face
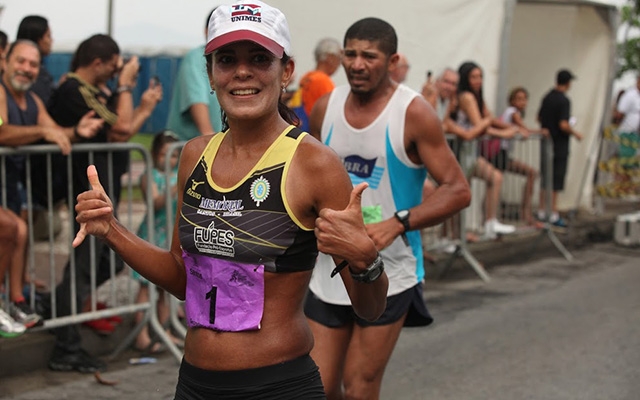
375 274
402 214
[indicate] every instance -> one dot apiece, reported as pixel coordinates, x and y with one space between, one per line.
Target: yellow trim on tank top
279 152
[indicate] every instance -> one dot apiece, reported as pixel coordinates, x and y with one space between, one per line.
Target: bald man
399 71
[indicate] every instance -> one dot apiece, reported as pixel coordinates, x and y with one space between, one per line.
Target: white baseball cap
249 20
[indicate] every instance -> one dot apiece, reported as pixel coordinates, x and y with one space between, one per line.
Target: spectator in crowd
97 60
554 115
386 134
441 93
26 118
4 47
316 83
628 113
616 117
250 232
27 122
194 109
159 152
400 69
12 240
475 117
443 97
514 115
627 110
36 29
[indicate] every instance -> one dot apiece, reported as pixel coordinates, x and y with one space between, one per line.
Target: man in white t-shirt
628 109
628 113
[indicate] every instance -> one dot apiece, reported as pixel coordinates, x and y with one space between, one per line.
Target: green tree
629 49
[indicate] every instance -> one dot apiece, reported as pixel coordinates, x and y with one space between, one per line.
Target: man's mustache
25 74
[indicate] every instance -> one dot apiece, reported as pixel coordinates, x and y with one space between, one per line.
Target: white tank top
376 155
507 116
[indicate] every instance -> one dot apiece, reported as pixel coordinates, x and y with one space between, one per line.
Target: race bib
223 295
372 214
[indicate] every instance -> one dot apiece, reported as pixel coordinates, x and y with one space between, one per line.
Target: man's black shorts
559 172
410 301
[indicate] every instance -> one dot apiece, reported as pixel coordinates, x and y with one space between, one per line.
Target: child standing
160 179
513 115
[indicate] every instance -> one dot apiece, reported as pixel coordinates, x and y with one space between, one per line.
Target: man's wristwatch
369 275
124 88
403 217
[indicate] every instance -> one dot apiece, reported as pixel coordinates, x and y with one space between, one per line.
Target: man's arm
430 92
317 116
564 124
425 144
200 114
121 130
192 92
46 129
148 102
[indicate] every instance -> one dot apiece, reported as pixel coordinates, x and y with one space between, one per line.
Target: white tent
516 42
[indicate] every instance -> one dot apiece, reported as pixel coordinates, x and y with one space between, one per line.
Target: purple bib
223 295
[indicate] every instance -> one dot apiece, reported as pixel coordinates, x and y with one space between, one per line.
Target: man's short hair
19 42
98 46
374 30
4 40
326 47
564 76
445 70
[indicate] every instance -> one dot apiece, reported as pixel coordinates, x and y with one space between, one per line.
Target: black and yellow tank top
250 222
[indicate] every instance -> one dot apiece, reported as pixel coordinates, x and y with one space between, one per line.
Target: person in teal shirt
194 110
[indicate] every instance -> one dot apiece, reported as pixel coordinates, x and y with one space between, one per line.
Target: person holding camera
96 61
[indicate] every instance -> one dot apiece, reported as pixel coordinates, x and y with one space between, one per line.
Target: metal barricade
174 304
450 235
121 296
518 162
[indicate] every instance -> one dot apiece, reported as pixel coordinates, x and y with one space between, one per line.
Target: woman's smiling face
248 79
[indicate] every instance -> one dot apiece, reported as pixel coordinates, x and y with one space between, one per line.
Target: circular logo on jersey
260 190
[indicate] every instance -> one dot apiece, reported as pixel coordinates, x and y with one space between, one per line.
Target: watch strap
404 220
372 273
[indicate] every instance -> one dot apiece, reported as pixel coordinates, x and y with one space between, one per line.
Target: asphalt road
546 329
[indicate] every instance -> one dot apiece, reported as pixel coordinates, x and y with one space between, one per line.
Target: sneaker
450 248
499 228
559 222
24 314
79 361
9 328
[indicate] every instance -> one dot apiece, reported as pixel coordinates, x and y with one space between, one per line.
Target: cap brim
237 36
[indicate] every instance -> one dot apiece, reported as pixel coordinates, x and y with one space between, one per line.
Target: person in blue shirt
194 109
